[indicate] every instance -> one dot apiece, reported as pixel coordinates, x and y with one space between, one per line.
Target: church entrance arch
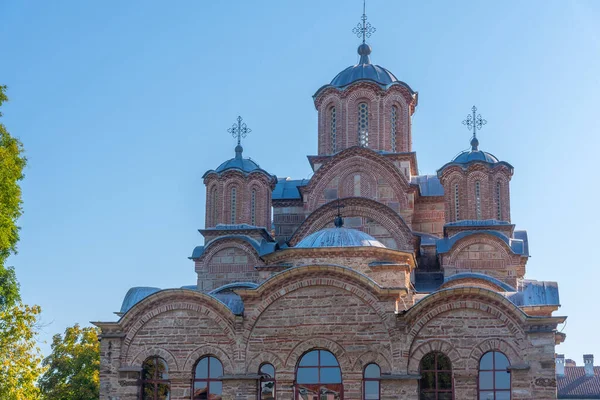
370 216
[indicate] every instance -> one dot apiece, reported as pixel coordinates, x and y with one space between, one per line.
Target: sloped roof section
429 185
576 385
287 189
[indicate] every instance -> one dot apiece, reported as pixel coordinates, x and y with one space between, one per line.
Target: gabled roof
429 185
575 385
287 189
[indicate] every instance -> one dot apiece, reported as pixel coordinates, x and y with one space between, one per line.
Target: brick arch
493 344
371 357
358 206
457 298
403 127
330 100
264 357
355 96
484 191
368 183
293 357
443 346
484 238
370 161
170 300
219 244
296 278
208 350
146 353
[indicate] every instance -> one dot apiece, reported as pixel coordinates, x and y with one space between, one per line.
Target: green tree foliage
73 366
19 356
12 163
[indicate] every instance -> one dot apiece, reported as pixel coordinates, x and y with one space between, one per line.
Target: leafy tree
12 163
19 356
73 366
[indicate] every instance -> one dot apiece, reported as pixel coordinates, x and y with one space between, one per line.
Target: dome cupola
364 70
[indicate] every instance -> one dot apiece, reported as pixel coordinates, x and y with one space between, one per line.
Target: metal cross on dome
239 130
364 29
339 220
474 121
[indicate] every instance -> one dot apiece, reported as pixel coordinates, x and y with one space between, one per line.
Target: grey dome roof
135 295
475 155
364 70
238 162
339 237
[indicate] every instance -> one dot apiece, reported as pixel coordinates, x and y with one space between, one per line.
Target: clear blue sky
122 106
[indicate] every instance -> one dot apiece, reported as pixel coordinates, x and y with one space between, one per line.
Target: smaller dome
339 237
362 71
475 155
243 164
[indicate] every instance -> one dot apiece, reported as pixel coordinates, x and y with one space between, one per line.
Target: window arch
371 384
207 379
318 376
436 377
215 206
494 377
394 127
155 383
333 128
499 200
253 208
478 199
268 384
456 203
363 124
233 205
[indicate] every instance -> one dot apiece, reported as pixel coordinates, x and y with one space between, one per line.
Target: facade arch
264 357
442 346
403 134
511 351
371 357
146 353
356 206
318 343
208 350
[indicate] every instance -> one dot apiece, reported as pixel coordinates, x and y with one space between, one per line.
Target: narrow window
333 129
357 185
268 384
253 207
498 201
233 205
436 377
478 199
318 376
494 377
155 379
371 387
456 203
215 207
363 125
394 127
207 379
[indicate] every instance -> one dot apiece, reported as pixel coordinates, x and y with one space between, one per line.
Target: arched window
478 199
267 382
494 377
318 376
233 205
207 379
394 123
333 129
215 206
371 387
155 379
499 201
436 377
456 203
363 125
253 207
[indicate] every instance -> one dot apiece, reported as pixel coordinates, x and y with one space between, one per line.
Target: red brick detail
318 343
209 350
362 207
144 354
264 357
429 346
515 355
370 357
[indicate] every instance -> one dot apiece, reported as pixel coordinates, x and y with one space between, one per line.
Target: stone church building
366 281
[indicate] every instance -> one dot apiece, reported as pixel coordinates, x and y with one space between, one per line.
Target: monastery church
366 281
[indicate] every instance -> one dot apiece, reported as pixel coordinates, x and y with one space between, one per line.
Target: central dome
339 237
364 70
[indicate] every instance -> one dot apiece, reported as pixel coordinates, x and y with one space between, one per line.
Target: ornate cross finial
364 29
474 122
339 220
239 130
